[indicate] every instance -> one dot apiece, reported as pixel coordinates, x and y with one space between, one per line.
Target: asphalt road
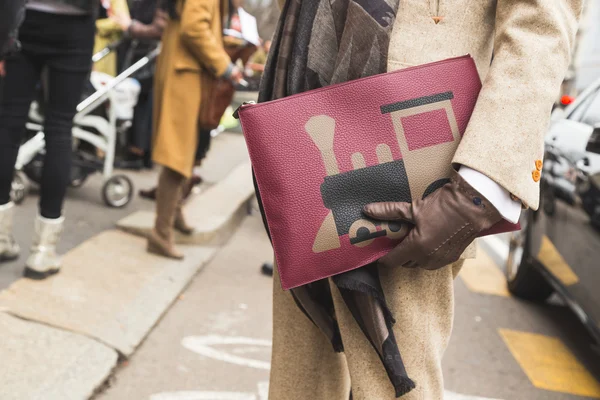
214 344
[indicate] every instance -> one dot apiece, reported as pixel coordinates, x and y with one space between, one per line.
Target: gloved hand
445 223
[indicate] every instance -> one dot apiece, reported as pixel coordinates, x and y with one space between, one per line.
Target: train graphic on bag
346 193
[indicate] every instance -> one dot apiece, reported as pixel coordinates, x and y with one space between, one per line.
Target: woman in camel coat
191 55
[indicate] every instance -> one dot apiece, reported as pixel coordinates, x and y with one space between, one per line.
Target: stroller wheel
117 192
18 189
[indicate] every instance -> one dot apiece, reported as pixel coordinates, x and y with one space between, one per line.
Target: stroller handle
106 51
101 94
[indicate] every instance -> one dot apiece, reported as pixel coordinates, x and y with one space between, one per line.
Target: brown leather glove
445 223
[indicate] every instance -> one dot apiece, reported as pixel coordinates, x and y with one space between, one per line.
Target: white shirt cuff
496 194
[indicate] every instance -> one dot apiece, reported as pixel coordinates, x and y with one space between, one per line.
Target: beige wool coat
532 42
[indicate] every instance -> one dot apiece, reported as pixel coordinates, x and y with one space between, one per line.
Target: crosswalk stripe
549 364
482 275
555 263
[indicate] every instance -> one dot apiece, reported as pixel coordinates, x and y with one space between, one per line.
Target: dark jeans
62 44
141 130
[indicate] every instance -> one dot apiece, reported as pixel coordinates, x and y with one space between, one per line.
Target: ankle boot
168 198
180 224
43 260
9 249
149 194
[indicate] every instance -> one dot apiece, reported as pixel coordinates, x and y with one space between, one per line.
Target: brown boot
180 223
168 198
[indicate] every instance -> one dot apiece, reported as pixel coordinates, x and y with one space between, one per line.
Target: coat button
536 175
538 165
477 201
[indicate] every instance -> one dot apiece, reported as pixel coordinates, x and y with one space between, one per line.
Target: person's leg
180 222
422 303
22 74
168 198
17 92
303 363
141 127
67 75
204 139
67 52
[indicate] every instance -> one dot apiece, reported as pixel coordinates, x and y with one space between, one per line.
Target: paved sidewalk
65 333
87 215
215 341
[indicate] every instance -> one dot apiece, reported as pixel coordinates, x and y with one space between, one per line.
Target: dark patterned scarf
319 43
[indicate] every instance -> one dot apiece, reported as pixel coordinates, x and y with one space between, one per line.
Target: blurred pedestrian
192 57
239 51
403 304
257 62
56 35
11 15
143 29
109 31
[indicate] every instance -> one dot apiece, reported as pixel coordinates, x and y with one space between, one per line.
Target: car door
570 249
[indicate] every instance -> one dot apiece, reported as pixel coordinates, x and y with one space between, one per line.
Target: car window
593 145
588 112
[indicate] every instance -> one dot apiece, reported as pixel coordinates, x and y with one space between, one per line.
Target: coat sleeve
198 37
11 16
532 51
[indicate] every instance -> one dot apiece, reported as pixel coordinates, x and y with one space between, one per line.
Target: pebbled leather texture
320 156
377 183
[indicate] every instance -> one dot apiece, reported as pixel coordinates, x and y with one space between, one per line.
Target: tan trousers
305 367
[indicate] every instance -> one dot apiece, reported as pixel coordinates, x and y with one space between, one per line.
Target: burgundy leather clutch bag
320 156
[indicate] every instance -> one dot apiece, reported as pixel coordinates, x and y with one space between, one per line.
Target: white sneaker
43 260
9 249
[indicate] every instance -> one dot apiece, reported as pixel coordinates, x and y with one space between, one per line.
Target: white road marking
245 350
202 396
203 346
263 390
448 395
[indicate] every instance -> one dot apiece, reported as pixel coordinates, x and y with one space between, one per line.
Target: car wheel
523 277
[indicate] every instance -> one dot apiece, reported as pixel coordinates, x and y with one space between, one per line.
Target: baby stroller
101 118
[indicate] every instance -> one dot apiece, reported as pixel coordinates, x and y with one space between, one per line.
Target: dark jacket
89 6
11 16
